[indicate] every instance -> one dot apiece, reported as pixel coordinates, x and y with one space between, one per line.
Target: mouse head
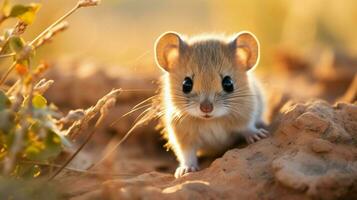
207 75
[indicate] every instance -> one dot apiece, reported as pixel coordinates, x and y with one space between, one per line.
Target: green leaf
44 150
16 44
32 152
38 101
19 10
26 13
6 8
4 101
53 145
53 127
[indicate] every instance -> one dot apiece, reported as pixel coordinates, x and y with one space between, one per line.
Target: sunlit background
122 32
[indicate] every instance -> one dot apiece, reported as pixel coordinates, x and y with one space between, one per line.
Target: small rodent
208 94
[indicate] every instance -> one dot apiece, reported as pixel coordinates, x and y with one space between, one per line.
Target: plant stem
74 9
7 55
3 79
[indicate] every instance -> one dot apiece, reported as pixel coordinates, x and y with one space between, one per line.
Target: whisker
146 100
134 110
138 90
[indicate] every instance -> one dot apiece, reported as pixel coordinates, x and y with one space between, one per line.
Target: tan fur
207 59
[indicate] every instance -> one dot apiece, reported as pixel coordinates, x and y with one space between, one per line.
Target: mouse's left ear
246 50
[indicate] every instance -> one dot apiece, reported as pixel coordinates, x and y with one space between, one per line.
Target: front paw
255 135
182 170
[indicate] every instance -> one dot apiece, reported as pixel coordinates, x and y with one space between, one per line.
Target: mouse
208 94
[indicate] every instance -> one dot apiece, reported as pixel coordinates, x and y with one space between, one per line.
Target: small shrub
31 130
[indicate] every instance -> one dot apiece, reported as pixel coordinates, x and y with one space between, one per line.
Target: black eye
227 84
187 85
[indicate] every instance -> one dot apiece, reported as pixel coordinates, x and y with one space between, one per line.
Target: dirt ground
312 153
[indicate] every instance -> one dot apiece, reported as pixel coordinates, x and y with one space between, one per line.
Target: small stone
338 134
321 146
311 122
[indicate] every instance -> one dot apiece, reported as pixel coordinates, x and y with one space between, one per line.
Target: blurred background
122 32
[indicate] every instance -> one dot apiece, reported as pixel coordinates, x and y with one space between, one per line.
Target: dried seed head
40 69
88 3
43 85
20 28
54 31
73 115
91 112
104 110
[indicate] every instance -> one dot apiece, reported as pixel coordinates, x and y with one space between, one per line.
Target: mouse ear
167 49
246 47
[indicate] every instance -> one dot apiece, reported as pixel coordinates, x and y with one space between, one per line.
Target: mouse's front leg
253 134
188 161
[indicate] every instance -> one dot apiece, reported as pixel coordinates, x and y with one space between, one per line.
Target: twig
7 55
7 73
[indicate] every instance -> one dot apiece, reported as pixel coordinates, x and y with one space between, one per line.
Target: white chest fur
213 137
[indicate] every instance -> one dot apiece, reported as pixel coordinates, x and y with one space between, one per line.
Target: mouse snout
206 106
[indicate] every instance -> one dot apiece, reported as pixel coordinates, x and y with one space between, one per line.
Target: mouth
206 116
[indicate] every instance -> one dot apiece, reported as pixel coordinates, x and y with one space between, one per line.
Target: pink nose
206 107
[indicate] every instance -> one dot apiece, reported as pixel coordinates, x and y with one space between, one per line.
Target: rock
317 177
311 122
321 146
294 174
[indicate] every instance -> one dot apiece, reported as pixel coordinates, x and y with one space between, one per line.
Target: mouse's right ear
246 47
167 50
